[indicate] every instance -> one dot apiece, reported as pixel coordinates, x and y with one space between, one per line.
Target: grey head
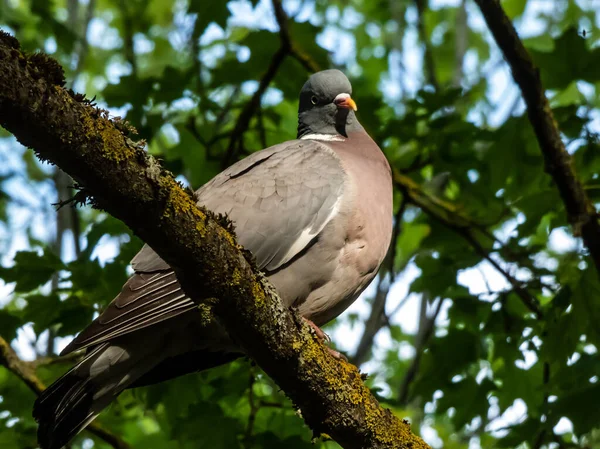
326 106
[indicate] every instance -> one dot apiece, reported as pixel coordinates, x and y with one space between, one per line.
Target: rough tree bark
117 175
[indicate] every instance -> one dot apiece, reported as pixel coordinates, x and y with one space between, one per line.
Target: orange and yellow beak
345 101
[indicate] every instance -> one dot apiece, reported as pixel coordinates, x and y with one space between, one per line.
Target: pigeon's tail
74 400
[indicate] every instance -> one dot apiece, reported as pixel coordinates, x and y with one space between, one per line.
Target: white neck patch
323 137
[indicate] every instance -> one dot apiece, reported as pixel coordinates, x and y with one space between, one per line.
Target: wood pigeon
316 212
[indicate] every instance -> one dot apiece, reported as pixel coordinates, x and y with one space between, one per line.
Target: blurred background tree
482 325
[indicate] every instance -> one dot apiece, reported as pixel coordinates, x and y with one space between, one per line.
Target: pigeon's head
326 106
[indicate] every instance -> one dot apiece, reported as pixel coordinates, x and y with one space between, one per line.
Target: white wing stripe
308 234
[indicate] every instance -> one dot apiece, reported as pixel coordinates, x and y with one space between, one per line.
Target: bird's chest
369 212
365 222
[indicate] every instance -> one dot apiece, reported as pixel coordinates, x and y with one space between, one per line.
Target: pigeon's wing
145 299
279 200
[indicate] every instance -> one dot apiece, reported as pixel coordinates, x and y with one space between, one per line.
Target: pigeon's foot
320 334
324 337
336 354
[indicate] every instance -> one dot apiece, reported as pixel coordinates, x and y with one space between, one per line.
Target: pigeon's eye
314 100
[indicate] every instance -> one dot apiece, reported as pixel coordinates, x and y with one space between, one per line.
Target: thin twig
461 44
373 324
399 306
395 234
243 121
527 298
423 335
428 56
82 43
464 227
287 48
294 50
128 37
261 128
46 361
581 212
539 440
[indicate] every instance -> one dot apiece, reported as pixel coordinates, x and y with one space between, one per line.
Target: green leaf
569 60
514 8
580 406
569 96
528 430
42 311
468 398
518 383
586 307
208 12
129 89
409 241
208 417
445 358
31 269
9 323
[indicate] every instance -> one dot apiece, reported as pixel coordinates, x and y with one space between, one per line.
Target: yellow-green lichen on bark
114 148
259 294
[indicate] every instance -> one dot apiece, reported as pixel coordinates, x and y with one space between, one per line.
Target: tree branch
26 372
581 213
444 213
121 178
287 48
426 327
428 54
243 121
461 44
377 319
128 32
70 358
285 36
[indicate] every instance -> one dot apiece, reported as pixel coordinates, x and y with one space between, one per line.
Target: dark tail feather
66 407
63 410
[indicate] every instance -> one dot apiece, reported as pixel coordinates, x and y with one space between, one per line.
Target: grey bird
316 212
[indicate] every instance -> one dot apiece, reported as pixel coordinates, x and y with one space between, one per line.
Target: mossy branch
121 178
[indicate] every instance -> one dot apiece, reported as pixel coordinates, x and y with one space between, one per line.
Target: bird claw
336 354
320 334
324 337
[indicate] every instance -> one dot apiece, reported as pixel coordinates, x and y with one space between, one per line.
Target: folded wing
279 200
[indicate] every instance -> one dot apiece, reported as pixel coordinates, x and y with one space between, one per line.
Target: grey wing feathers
279 200
147 261
145 299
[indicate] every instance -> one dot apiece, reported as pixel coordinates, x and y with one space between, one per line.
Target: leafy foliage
482 233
